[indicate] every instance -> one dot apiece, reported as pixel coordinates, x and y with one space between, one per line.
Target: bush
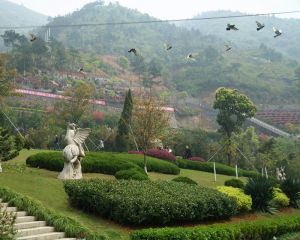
247 230
244 202
7 220
291 187
149 203
236 183
61 223
280 199
197 159
261 191
209 167
184 180
107 163
161 154
131 174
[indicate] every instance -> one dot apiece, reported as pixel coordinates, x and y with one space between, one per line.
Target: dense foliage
71 227
237 183
8 146
261 191
132 174
7 220
280 199
244 202
102 162
184 180
161 154
149 203
246 230
291 187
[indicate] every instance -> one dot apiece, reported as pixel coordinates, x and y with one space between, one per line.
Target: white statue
73 152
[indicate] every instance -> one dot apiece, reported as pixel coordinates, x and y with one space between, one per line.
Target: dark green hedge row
247 230
149 203
131 174
61 223
107 163
209 167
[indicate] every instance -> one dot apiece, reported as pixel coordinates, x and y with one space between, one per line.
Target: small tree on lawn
124 124
149 123
234 108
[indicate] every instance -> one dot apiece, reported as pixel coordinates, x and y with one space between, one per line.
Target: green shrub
7 220
291 187
244 202
61 223
261 191
236 183
149 203
131 174
247 230
280 199
107 163
184 180
209 167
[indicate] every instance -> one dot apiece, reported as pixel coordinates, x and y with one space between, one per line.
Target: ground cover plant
149 203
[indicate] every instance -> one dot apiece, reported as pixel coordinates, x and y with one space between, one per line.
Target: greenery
184 180
261 191
60 223
237 183
244 202
280 200
220 168
131 174
148 203
124 125
247 230
8 148
291 187
101 162
7 220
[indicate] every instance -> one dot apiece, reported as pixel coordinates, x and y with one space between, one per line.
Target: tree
7 146
234 108
150 122
122 137
6 76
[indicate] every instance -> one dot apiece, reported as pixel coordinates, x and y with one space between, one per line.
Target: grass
43 185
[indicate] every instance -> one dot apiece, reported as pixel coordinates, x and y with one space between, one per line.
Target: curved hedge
149 203
107 163
184 180
131 174
236 183
209 167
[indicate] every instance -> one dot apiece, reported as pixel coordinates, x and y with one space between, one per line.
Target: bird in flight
277 32
231 27
228 47
133 50
33 37
259 25
191 56
168 46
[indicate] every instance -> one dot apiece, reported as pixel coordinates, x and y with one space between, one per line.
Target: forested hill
248 36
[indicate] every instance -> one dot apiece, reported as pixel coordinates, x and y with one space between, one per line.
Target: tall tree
234 108
6 77
150 122
122 138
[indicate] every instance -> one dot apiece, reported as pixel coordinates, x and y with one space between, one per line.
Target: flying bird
277 32
33 37
259 25
191 56
228 47
168 46
133 50
231 27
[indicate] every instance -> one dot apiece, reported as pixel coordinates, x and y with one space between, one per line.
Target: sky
170 9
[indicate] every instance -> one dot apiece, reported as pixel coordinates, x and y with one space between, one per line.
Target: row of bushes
209 167
247 230
107 163
61 223
149 203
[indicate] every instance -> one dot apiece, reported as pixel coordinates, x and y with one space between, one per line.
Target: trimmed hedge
107 163
244 202
236 183
61 223
184 180
209 167
131 174
161 154
247 230
149 203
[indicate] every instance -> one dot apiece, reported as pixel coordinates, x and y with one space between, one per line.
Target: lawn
43 185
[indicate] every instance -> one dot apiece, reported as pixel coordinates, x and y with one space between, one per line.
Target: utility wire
146 21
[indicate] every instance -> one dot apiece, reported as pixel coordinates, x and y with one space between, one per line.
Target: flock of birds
192 56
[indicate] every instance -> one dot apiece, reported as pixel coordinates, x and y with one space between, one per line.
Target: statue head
72 126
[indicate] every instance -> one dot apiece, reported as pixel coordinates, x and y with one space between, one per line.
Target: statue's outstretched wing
81 134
